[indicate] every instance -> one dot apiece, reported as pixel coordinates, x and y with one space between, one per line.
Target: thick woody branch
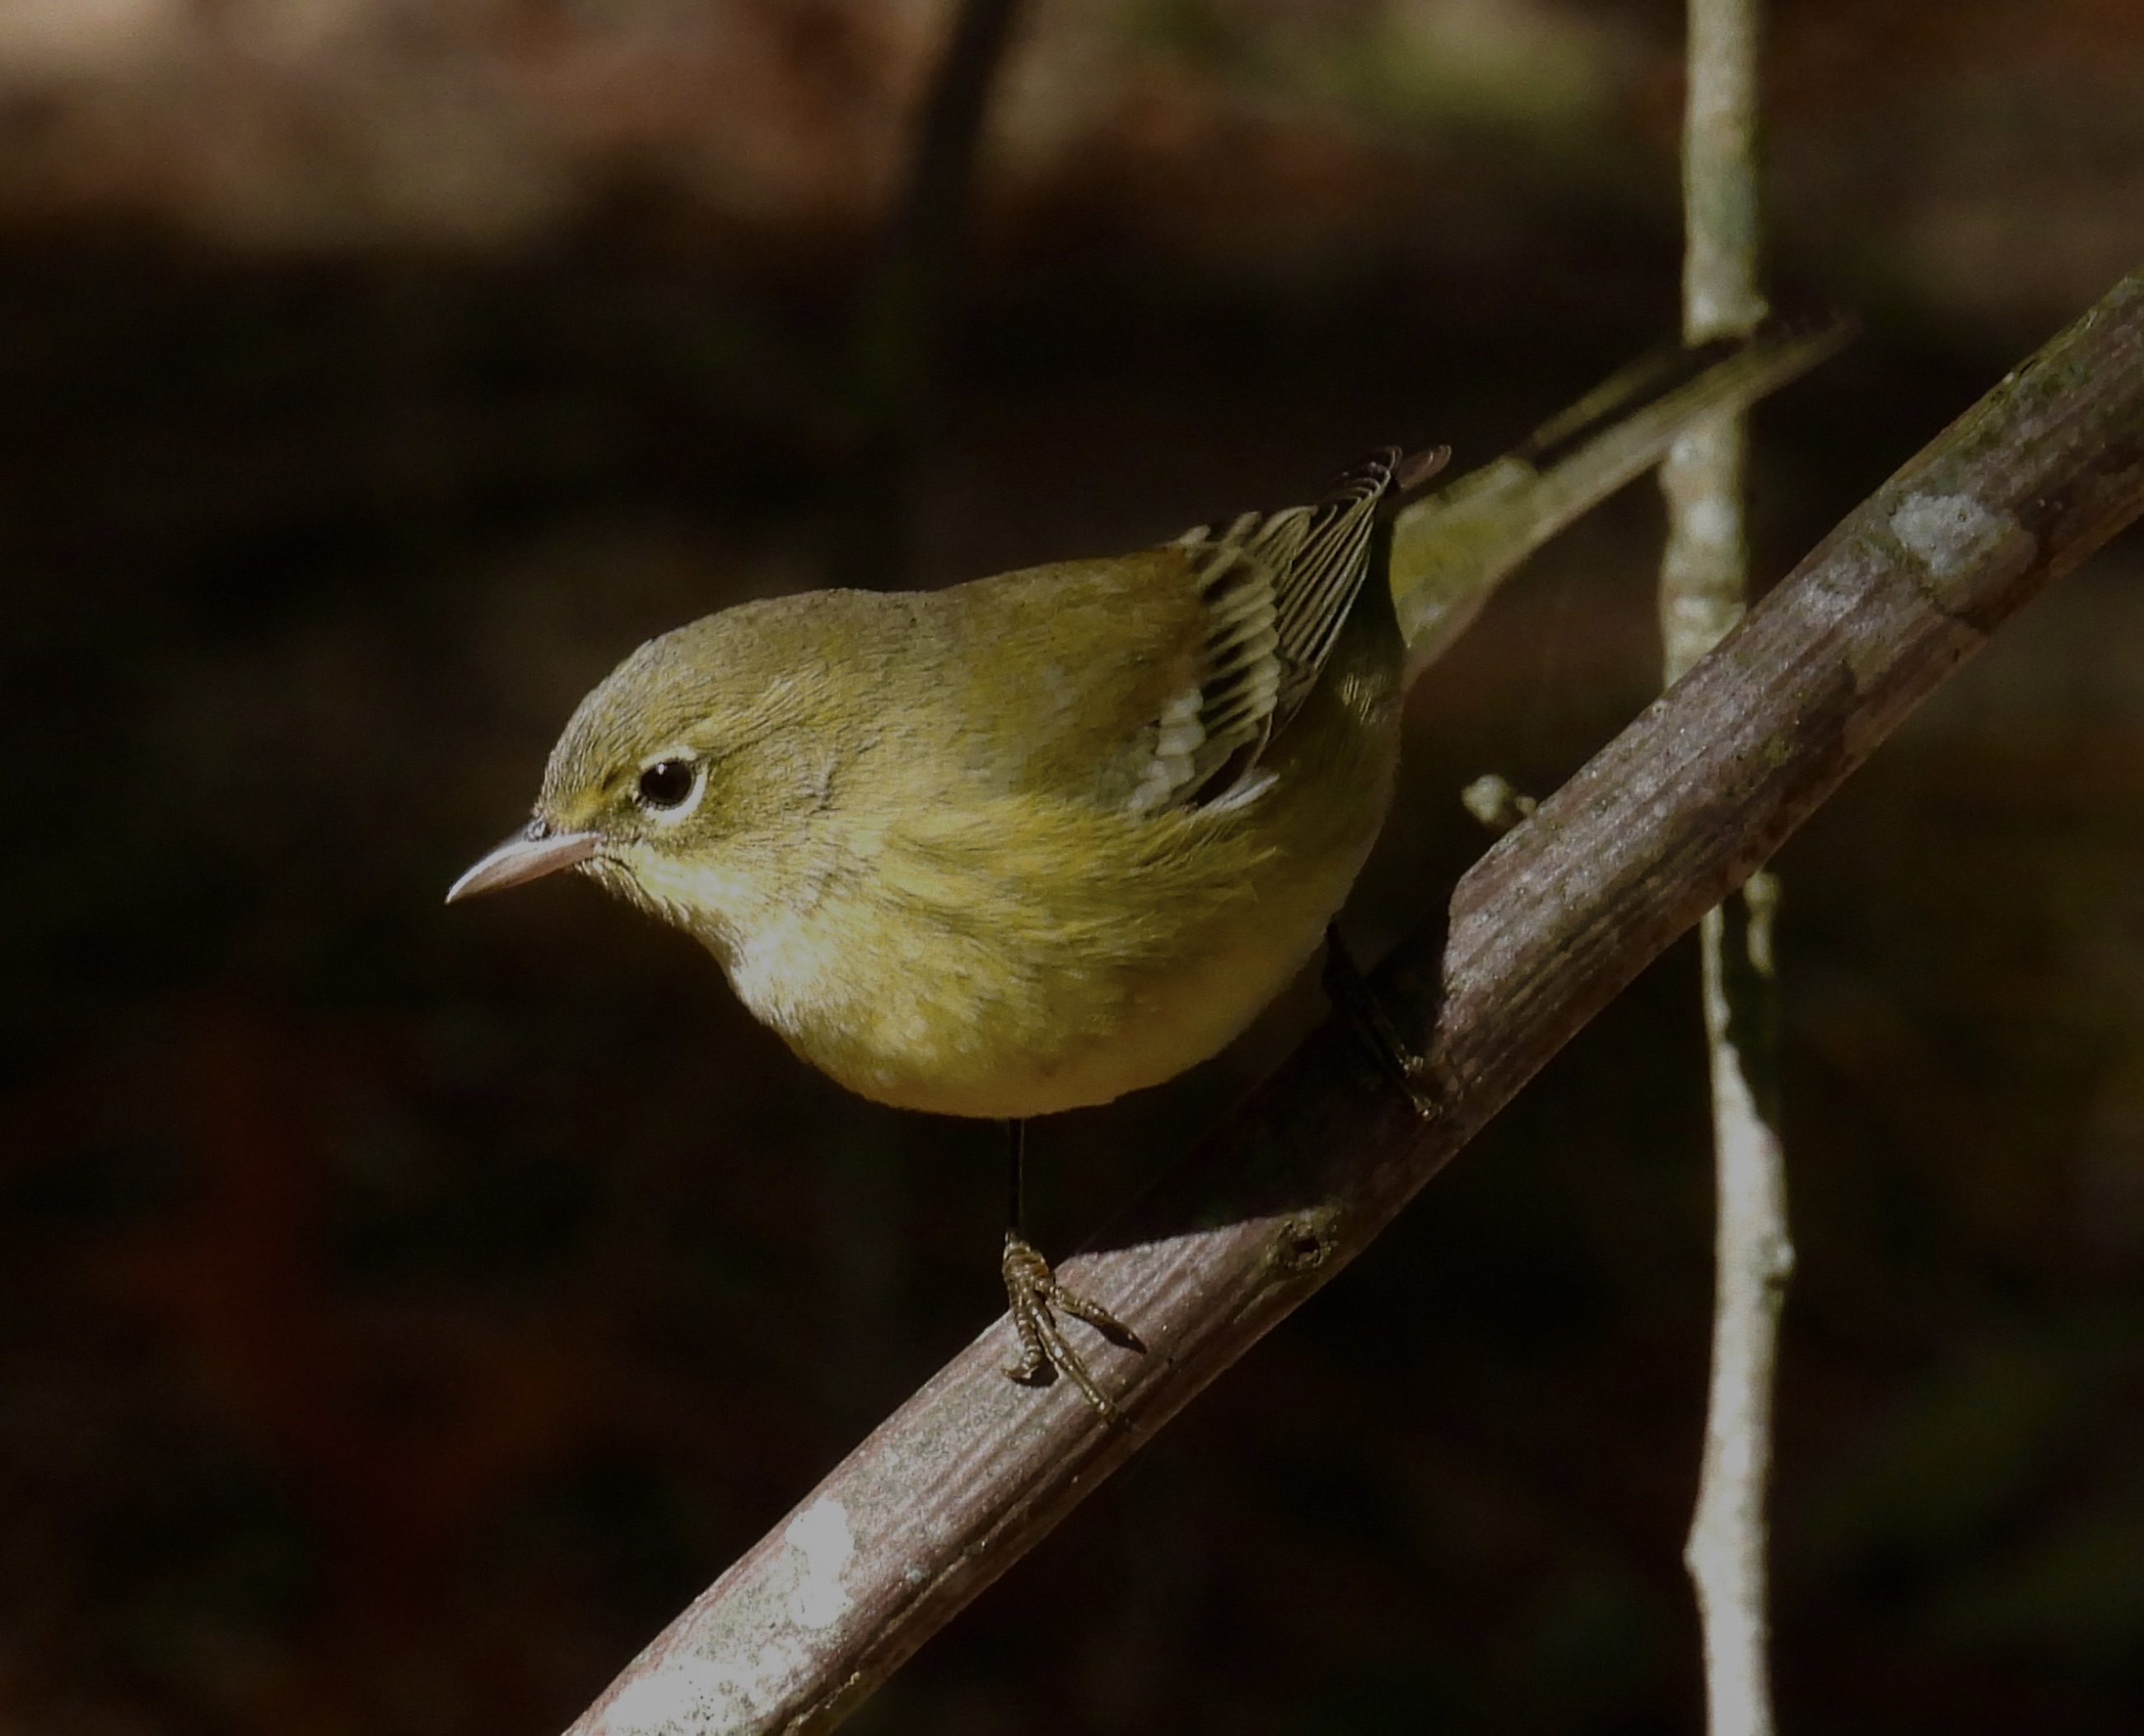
1544 931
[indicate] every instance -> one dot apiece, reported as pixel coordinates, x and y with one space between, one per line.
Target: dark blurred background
404 1310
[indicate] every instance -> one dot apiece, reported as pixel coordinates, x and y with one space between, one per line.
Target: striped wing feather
1277 588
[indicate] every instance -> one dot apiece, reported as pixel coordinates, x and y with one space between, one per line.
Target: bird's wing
1276 587
1145 683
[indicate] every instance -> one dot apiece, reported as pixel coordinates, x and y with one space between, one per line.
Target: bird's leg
1033 1296
1365 1020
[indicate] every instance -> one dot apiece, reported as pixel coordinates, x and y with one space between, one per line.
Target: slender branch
1704 574
901 325
868 519
1721 297
1544 931
904 308
1703 579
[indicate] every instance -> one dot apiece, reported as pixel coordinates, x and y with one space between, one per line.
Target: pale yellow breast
1016 982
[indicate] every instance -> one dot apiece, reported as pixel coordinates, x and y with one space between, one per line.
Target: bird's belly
1010 1025
1160 1028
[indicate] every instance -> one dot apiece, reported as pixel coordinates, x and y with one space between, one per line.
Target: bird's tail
1452 549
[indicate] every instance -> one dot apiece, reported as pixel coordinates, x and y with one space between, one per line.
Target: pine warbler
1026 844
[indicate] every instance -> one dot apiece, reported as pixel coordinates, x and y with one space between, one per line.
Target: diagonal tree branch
1544 931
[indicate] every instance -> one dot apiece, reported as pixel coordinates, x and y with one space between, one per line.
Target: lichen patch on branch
1948 532
820 1537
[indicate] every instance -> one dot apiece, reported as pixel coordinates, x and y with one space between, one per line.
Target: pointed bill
530 854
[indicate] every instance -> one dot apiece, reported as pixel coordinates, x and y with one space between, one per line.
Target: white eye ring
661 794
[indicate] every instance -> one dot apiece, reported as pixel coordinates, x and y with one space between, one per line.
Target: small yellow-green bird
1026 844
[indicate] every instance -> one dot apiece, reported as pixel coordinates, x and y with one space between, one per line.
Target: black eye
666 783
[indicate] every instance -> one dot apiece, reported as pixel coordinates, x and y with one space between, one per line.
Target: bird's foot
1365 1019
1034 1297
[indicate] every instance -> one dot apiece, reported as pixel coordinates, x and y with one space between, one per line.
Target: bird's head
683 773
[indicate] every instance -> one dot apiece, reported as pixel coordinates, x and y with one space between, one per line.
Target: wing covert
1277 588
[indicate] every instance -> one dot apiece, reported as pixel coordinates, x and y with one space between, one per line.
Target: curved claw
1033 1295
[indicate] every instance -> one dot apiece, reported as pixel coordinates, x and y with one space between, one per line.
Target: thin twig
868 519
1544 931
905 310
1703 578
901 325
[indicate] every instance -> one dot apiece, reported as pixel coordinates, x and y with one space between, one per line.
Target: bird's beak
530 854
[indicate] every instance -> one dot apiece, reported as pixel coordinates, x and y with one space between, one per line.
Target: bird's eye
667 783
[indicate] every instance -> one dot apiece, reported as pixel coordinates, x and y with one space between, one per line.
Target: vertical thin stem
1703 580
900 324
897 361
1720 298
904 314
